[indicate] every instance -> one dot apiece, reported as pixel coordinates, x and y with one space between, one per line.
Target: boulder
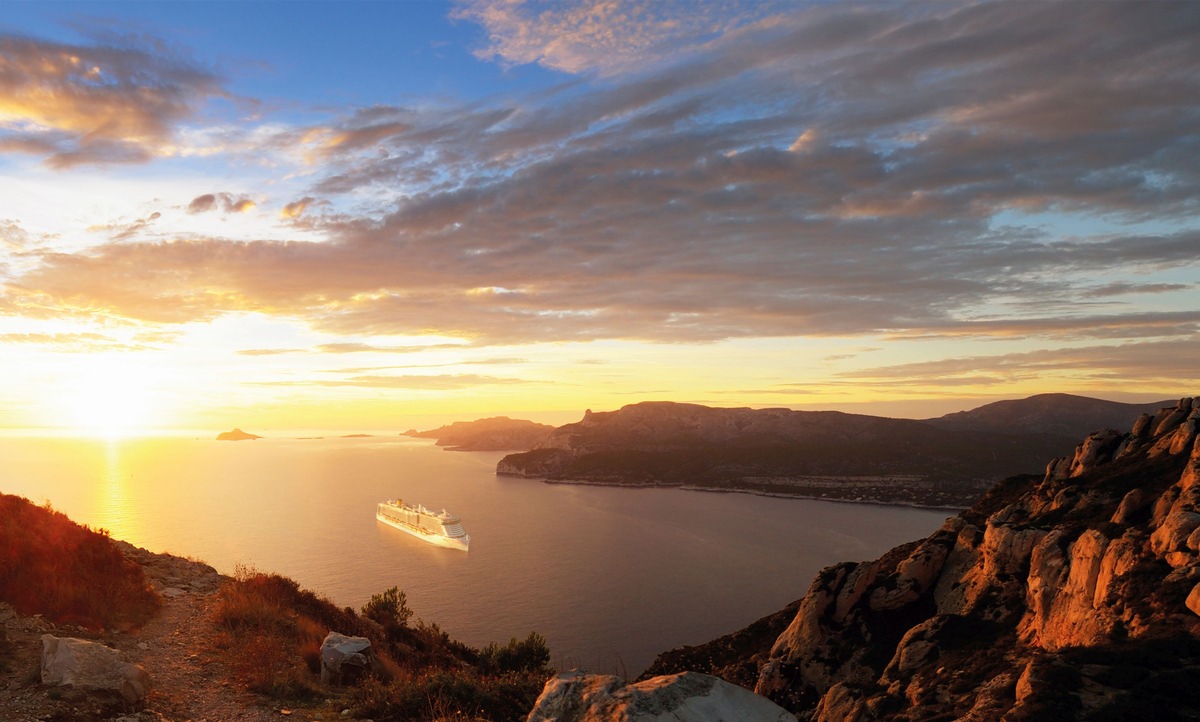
344 659
92 667
685 697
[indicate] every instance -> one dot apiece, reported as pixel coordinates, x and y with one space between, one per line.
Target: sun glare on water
108 398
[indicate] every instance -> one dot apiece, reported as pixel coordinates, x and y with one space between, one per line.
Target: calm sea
610 576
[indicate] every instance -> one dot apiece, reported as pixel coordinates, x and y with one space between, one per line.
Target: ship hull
460 543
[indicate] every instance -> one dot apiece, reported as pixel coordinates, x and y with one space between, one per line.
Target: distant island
236 435
947 462
356 436
498 433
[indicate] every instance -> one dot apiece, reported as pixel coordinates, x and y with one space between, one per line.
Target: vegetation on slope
271 632
68 573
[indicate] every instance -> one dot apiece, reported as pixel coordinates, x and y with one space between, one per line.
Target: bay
610 576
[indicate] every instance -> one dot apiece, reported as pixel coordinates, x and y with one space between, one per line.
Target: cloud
226 202
838 170
357 347
1167 362
295 209
415 383
268 351
12 236
603 36
71 342
203 204
126 231
105 103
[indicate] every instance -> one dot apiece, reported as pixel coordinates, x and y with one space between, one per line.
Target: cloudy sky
380 215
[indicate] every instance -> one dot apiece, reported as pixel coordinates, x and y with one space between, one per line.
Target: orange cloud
76 104
226 202
295 209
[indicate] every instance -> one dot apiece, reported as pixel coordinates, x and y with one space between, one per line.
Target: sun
107 397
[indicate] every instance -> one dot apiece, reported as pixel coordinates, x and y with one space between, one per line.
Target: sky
372 216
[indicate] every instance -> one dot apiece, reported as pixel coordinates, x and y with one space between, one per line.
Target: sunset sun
108 398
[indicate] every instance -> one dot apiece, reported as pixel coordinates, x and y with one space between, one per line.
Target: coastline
755 492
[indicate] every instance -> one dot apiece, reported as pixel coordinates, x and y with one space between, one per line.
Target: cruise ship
441 528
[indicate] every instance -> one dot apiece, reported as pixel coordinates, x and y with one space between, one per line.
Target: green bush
527 655
389 609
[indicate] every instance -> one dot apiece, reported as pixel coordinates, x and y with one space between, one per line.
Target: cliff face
809 453
1074 594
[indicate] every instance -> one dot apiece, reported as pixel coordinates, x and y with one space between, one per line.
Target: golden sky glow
536 208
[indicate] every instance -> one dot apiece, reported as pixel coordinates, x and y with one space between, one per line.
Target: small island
236 435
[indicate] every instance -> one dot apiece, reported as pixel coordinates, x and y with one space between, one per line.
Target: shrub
450 695
527 655
272 632
389 609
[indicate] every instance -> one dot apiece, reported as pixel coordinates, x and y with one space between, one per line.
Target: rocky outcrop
237 435
498 433
823 454
345 659
1071 595
91 667
685 697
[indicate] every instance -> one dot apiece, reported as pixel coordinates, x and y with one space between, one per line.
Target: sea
609 576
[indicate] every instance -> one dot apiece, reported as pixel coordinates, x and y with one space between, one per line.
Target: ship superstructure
441 528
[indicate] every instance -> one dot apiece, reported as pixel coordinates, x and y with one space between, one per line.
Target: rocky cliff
1073 594
825 454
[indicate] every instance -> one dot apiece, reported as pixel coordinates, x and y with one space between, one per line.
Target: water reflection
115 503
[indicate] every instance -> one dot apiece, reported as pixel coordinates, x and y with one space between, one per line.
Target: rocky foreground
175 672
1073 595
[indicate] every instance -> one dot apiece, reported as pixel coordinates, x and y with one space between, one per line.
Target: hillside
498 433
824 454
1069 595
158 638
1059 414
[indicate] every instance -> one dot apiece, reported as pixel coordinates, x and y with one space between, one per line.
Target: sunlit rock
685 697
89 666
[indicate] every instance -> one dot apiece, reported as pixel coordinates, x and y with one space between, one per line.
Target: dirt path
189 682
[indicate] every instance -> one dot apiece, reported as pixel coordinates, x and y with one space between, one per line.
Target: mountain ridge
1054 413
817 454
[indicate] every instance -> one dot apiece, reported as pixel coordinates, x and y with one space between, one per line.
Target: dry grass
270 632
68 573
